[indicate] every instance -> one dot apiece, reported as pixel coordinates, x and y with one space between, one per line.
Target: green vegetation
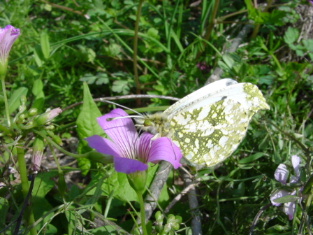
74 51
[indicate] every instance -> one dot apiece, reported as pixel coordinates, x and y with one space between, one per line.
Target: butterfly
208 124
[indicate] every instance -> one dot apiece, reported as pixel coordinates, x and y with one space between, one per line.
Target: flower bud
32 112
47 116
38 148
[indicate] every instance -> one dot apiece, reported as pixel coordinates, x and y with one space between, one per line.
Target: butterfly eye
147 122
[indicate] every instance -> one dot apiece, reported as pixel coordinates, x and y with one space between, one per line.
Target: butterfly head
157 123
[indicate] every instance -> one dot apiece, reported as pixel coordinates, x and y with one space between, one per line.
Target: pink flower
8 35
53 113
131 151
281 174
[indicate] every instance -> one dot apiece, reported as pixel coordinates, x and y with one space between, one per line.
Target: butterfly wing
210 123
210 93
245 93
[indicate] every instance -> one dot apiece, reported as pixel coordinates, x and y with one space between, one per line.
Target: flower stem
135 57
30 220
6 105
142 213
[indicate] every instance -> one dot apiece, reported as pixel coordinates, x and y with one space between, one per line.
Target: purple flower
204 67
8 35
311 2
131 151
281 174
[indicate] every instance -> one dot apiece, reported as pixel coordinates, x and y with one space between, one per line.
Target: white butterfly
208 124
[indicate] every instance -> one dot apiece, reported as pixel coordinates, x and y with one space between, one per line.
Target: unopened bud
32 112
22 117
47 116
38 149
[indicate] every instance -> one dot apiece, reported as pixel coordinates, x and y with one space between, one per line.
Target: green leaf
308 43
38 56
84 165
15 98
39 95
4 206
102 79
291 35
229 61
37 88
105 230
118 183
251 158
120 86
288 198
113 50
44 183
45 45
87 124
89 78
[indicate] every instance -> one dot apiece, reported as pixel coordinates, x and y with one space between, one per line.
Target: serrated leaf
84 165
291 35
102 79
308 43
89 78
120 86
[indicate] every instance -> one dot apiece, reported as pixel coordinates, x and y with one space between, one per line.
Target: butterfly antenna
121 106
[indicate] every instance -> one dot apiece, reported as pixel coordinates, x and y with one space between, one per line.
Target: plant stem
136 47
210 26
5 101
142 213
29 216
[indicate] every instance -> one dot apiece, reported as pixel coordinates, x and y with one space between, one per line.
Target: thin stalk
142 213
29 216
6 105
211 24
136 47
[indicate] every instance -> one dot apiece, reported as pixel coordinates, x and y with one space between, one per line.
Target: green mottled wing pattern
208 135
209 124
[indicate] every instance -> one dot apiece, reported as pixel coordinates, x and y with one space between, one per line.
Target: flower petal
276 195
289 209
127 165
8 35
164 149
121 131
281 173
295 160
103 145
144 146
